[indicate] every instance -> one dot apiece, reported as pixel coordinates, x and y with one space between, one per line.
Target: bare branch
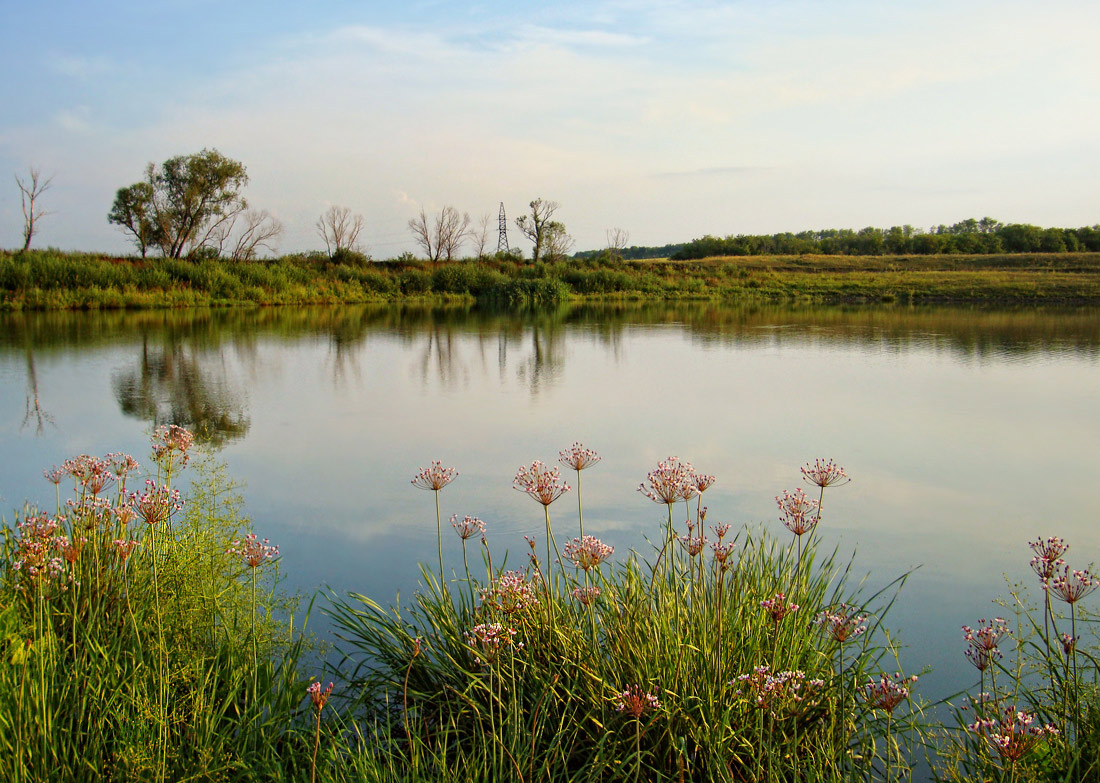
30 190
617 239
259 232
340 229
445 238
479 236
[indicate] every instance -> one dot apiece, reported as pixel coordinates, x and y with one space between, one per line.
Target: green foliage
180 204
144 666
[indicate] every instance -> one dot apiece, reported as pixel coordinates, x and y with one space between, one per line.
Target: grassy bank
53 280
142 641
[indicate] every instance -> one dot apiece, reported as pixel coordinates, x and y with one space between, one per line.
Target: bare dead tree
617 239
442 240
30 191
340 229
256 231
534 226
479 235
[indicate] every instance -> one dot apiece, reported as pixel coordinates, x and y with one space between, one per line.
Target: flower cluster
981 647
888 692
843 623
124 548
93 474
509 593
1048 556
798 512
578 457
434 477
634 701
253 551
540 482
586 595
778 607
1014 734
317 696
587 552
171 443
156 503
672 480
36 548
693 544
722 551
824 473
769 690
488 639
1072 588
468 527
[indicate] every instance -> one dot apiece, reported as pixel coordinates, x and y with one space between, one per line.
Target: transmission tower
502 240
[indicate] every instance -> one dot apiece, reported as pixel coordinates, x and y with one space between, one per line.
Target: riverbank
52 280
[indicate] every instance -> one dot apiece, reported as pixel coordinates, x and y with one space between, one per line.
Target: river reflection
967 432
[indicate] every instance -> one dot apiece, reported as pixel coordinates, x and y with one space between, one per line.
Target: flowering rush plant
542 483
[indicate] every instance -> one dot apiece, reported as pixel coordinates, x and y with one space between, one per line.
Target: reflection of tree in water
183 386
33 406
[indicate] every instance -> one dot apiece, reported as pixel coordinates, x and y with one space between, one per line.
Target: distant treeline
634 252
970 237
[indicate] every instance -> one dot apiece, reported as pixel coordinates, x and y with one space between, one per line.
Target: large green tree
183 204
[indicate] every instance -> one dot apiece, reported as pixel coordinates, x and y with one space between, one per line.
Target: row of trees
193 203
971 236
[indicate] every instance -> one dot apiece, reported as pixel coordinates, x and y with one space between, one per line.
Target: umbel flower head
509 593
824 473
542 483
578 457
588 552
252 551
488 640
1014 734
981 648
842 624
434 477
797 511
156 503
670 482
779 607
1071 588
171 443
634 701
888 692
468 527
317 696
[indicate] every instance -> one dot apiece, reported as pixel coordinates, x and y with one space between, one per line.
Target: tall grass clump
137 644
1035 713
730 656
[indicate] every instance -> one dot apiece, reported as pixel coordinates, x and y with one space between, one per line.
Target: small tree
30 191
535 225
183 204
444 239
340 230
617 239
558 241
480 235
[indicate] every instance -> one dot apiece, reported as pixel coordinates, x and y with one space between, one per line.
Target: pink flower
671 481
468 527
540 482
824 473
434 477
252 551
488 640
888 692
634 701
578 457
797 512
778 607
693 544
317 696
1072 589
172 442
842 624
588 552
509 593
1051 548
157 503
1014 734
586 595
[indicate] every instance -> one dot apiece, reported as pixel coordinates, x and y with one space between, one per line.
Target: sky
670 119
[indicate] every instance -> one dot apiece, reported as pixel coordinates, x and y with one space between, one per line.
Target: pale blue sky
670 119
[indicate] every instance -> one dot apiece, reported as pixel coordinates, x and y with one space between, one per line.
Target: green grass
181 661
49 279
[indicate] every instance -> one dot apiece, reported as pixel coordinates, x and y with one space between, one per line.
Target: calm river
966 433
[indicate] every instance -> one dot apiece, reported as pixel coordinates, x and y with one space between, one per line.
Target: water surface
966 432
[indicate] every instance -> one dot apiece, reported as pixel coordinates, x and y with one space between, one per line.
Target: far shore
54 280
